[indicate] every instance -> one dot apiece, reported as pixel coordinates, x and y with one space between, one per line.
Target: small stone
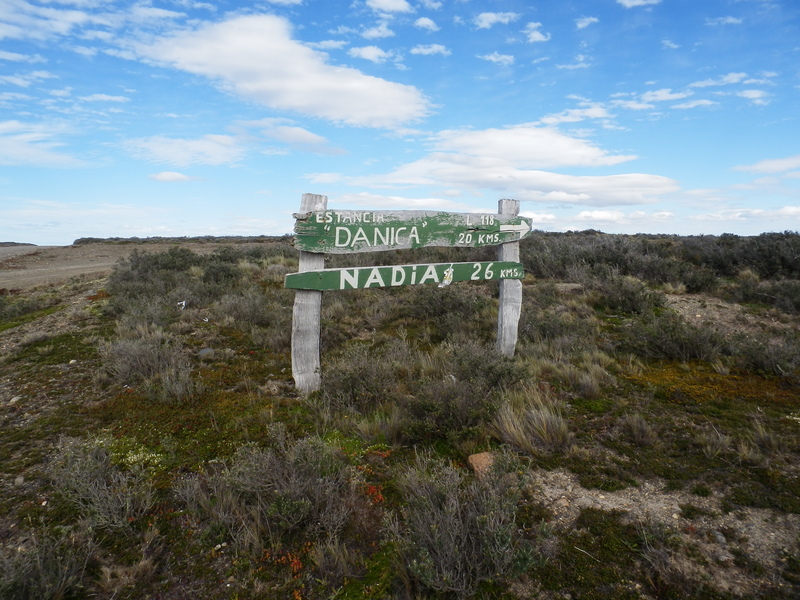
73 362
676 516
584 502
720 539
562 502
19 480
15 399
206 354
725 557
480 463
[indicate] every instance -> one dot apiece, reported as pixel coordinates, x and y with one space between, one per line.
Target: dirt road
26 267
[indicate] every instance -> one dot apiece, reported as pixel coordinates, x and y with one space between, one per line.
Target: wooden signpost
320 231
338 232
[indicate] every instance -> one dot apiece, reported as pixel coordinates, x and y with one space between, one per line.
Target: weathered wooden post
306 313
510 289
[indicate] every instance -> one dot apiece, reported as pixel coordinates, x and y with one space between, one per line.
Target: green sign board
338 232
398 275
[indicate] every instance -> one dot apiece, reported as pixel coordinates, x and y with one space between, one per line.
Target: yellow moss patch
698 384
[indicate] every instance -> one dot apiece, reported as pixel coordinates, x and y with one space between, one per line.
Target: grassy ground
644 437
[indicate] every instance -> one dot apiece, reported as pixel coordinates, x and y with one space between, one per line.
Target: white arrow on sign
523 229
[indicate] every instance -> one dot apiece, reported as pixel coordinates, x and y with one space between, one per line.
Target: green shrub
263 498
772 354
668 336
153 358
51 566
625 294
109 496
457 532
457 377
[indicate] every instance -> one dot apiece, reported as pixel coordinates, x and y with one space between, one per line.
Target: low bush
263 498
50 566
447 393
624 294
106 494
770 354
153 358
668 336
457 532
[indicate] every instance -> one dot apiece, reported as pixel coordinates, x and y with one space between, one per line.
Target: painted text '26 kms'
399 275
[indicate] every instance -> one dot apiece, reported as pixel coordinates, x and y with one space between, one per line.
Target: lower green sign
397 275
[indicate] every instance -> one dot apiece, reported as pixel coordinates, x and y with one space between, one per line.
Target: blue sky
176 117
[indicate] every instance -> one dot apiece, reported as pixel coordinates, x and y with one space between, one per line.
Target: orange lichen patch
698 384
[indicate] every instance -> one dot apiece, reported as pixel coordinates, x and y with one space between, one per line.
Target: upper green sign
339 232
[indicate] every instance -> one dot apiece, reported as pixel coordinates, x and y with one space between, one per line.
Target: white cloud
328 45
773 165
669 45
724 21
6 96
510 161
432 4
298 138
370 53
744 214
207 150
256 57
608 216
728 79
526 146
285 2
170 176
694 104
27 79
534 35
633 3
755 96
381 201
389 6
16 57
580 63
584 22
539 218
33 144
575 115
663 95
488 19
430 49
618 217
426 23
497 58
380 31
24 20
104 98
633 104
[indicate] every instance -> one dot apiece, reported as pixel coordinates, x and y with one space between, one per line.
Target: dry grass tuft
531 421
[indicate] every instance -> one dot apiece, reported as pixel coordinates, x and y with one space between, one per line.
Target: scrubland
644 437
